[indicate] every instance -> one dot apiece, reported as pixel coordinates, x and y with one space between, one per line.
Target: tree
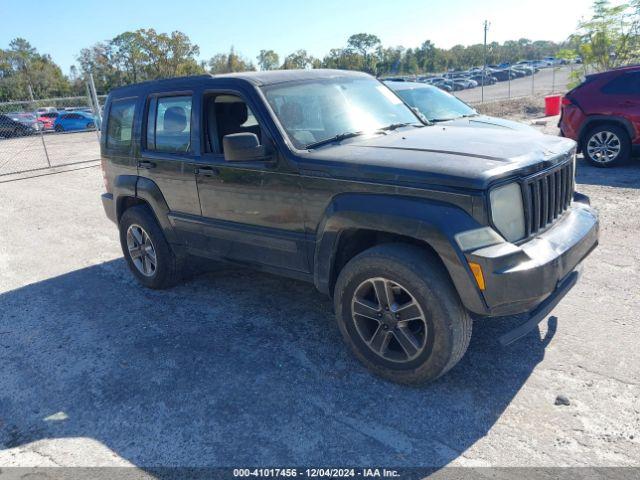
389 60
141 55
610 38
299 59
268 60
343 59
21 67
129 55
365 44
168 55
98 60
229 63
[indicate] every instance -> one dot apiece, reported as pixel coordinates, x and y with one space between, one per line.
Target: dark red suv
603 116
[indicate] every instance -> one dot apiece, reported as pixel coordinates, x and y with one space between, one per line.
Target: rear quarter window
626 84
120 124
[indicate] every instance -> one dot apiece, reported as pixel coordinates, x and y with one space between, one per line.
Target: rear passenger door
169 154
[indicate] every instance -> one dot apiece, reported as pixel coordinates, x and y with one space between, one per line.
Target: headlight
507 211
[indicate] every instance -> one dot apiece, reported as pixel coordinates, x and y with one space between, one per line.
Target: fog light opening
476 269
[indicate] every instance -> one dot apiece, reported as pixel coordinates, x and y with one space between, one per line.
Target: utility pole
484 69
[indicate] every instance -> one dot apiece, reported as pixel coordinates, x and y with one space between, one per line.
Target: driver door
250 209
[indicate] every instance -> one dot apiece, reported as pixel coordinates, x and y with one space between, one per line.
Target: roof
626 68
270 77
262 78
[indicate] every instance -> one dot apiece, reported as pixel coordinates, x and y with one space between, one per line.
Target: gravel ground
237 368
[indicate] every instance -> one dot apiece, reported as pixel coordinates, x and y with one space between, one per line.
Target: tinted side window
626 84
120 124
169 125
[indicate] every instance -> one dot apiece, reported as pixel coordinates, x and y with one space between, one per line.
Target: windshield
436 104
319 110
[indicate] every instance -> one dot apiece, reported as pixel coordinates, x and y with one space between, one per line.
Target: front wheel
607 146
59 128
399 312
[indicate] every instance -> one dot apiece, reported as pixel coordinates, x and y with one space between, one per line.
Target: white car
443 108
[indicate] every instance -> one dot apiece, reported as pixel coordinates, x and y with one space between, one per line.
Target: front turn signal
476 269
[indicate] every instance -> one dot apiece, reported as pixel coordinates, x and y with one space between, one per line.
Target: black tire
416 270
619 139
168 268
59 128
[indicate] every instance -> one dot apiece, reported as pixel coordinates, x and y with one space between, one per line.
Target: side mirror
243 147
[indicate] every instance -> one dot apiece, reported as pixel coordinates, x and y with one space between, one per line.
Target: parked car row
453 81
19 124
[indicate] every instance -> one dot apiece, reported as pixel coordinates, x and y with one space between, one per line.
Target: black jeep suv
327 176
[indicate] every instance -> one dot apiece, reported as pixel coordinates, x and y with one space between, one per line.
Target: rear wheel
148 254
399 312
606 146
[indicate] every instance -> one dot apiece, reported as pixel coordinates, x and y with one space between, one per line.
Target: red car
47 119
603 116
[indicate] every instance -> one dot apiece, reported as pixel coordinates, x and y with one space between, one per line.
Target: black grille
547 195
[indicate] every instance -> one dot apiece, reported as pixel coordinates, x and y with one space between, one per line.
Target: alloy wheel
141 250
604 147
389 320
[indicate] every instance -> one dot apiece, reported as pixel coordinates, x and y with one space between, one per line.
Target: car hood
485 121
449 155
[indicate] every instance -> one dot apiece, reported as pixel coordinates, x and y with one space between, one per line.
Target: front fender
430 221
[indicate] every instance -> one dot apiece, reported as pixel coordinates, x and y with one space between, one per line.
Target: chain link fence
547 81
37 134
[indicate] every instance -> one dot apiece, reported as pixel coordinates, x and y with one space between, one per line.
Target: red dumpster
552 105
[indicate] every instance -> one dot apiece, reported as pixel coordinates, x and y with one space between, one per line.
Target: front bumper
519 278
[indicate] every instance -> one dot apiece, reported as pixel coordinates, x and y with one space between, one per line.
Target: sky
61 29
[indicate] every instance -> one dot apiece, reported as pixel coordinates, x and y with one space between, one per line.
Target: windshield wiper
335 138
436 120
466 115
395 126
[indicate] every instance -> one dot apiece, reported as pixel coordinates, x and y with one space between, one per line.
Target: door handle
207 171
146 164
